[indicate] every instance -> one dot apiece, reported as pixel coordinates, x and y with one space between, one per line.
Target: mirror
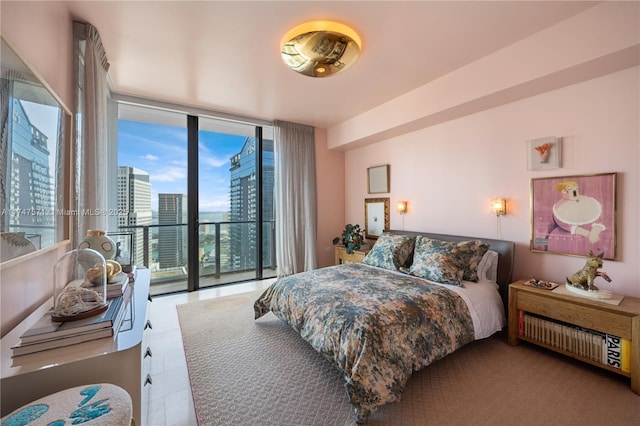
35 128
376 217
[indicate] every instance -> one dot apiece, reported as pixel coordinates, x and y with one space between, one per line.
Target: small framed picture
378 179
544 153
124 248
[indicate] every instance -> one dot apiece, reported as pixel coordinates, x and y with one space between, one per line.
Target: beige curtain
91 153
295 197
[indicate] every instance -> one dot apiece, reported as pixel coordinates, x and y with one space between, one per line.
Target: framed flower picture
544 153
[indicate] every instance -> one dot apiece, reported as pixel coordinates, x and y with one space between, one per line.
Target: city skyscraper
172 240
244 208
134 203
30 185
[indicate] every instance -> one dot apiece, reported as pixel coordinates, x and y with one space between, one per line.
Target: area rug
260 372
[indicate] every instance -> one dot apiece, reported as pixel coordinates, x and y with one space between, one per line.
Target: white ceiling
225 56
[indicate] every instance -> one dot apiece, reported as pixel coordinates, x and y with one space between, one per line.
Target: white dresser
108 360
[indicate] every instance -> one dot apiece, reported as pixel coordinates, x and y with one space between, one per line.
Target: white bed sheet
484 302
485 306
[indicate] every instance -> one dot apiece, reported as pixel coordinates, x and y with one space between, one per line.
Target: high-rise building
30 186
244 208
134 206
172 240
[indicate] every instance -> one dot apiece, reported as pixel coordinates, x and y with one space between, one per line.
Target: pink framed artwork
574 214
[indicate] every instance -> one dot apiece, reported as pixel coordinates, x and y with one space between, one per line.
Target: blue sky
161 151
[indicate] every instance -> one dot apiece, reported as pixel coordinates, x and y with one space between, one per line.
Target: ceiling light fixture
320 48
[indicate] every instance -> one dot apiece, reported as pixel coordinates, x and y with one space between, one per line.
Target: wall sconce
499 206
401 207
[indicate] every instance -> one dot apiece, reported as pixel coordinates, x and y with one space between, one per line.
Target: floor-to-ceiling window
198 201
231 207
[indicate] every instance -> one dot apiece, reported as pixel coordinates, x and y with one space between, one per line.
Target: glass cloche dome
80 285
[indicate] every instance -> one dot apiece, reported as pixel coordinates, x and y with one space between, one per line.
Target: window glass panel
152 188
268 208
227 201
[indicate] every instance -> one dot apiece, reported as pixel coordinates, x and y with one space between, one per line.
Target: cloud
214 203
151 157
169 174
214 161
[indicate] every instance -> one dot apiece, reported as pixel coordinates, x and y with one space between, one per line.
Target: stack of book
46 334
117 286
603 348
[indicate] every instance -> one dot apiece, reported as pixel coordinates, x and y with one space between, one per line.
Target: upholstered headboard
505 250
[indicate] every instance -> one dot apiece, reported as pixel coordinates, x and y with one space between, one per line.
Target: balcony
227 253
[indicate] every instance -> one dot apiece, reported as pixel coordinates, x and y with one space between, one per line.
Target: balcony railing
227 253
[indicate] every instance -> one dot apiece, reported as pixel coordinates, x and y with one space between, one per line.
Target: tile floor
167 401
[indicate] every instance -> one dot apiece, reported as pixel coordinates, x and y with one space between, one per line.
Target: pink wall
459 140
46 45
601 40
330 171
26 283
449 172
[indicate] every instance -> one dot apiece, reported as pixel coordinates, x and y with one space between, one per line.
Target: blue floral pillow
447 262
469 255
390 251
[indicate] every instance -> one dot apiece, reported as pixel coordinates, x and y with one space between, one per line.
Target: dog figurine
584 278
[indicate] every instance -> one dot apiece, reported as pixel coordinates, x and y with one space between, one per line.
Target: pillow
488 266
390 251
470 254
447 262
435 260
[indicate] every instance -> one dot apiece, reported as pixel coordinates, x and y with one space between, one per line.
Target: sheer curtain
91 158
295 197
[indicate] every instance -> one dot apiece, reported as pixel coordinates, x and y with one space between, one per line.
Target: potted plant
352 238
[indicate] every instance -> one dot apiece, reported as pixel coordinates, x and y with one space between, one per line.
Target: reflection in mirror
376 217
34 126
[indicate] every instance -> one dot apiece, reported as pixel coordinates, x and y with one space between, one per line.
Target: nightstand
343 257
554 313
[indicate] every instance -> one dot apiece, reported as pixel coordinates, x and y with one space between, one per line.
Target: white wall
449 172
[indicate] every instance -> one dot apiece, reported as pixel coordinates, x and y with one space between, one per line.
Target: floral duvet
376 326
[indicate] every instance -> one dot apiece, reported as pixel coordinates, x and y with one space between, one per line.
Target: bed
415 298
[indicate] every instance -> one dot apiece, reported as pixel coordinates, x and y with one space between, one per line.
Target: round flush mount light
320 48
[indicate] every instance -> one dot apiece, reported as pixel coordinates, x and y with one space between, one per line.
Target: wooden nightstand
343 257
621 320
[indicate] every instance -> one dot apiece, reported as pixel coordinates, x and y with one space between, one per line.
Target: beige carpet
247 372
